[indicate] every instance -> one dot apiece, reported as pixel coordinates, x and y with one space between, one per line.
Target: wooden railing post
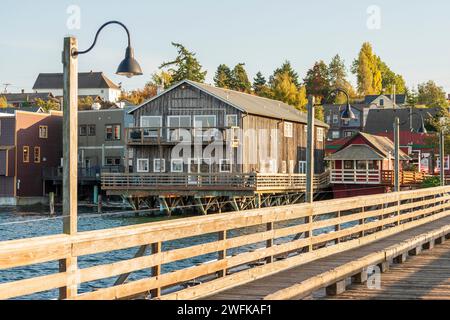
156 270
269 243
222 254
337 227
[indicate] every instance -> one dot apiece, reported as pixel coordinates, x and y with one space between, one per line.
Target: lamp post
397 125
347 114
128 67
442 156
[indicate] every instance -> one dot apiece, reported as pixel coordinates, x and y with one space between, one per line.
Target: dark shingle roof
26 97
86 80
13 110
356 152
399 98
382 120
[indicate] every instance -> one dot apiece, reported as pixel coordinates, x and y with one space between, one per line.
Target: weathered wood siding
262 138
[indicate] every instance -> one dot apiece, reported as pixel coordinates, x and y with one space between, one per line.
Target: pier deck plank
259 289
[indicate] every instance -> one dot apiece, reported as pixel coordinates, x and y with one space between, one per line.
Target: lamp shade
422 128
348 113
129 67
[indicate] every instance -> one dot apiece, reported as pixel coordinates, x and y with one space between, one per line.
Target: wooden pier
350 234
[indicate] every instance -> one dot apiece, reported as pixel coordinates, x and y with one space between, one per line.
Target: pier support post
51 201
361 277
439 240
337 288
416 251
400 259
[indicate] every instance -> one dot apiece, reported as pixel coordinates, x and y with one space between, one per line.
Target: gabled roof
34 109
382 120
399 98
356 152
26 97
86 80
247 103
381 145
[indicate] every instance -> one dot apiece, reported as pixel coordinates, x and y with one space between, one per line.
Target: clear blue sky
413 38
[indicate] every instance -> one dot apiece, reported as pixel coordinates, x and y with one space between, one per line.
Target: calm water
19 223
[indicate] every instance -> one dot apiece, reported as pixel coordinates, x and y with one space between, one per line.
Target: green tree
286 67
260 86
338 79
412 98
431 95
223 77
367 71
240 81
185 66
317 81
391 79
48 105
3 102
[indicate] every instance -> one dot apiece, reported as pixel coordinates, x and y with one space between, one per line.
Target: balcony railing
384 177
170 135
93 173
212 182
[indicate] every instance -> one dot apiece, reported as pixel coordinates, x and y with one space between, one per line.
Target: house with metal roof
193 138
26 99
89 84
385 100
364 165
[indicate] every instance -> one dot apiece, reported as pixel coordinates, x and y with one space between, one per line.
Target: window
302 167
225 165
231 120
176 165
348 134
26 154
152 124
204 123
178 122
37 154
381 102
335 119
113 132
361 165
328 119
159 165
320 134
348 164
142 165
335 134
43 132
91 130
83 131
113 162
288 129
372 165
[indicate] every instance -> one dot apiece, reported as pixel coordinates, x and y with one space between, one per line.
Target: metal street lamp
397 125
128 67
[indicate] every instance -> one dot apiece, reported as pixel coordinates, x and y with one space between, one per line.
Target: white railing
354 176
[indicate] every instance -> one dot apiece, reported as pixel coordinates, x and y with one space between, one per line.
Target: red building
364 165
29 143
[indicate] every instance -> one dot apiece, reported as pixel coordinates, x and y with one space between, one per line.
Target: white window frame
162 164
205 115
170 128
150 134
172 162
335 119
221 162
227 122
335 134
320 134
139 168
203 136
302 167
288 130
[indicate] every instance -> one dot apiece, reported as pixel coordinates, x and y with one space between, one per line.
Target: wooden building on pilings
218 149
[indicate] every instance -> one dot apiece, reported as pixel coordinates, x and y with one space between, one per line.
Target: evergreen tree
223 77
286 68
260 86
390 79
240 81
366 69
317 80
285 90
185 66
338 79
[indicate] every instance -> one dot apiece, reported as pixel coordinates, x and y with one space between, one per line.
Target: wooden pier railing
384 177
210 181
246 246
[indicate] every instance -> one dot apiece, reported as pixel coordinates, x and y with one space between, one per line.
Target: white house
94 84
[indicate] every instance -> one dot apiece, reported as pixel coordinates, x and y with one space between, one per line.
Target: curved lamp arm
422 128
347 114
76 53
